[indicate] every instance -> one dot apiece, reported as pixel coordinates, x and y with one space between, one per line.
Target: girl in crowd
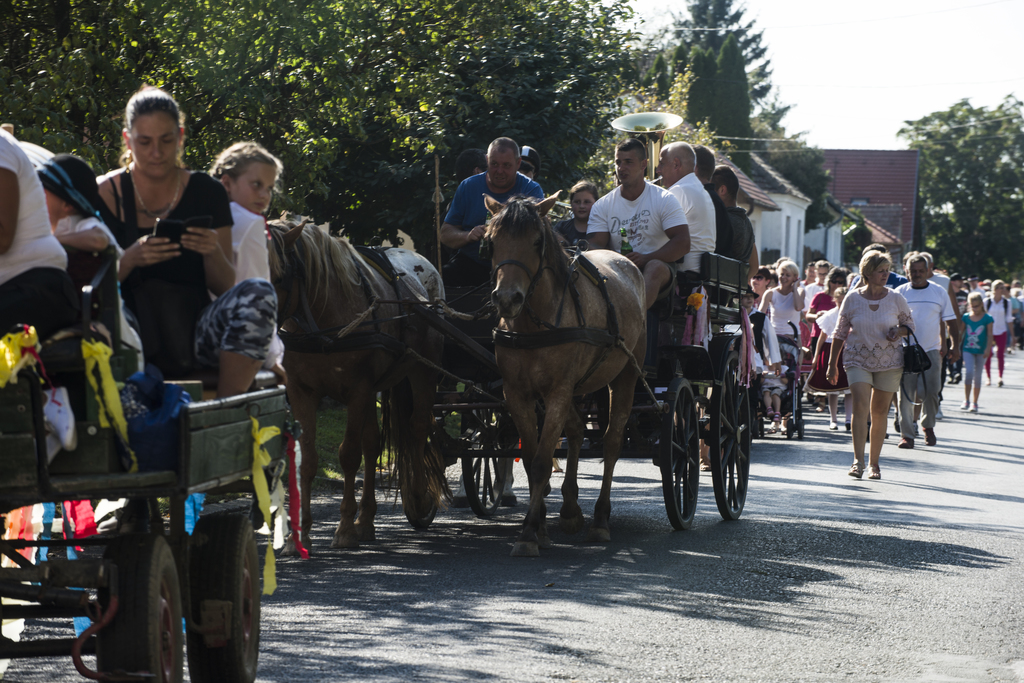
827 320
785 303
822 302
872 319
166 277
998 306
759 284
581 197
977 344
35 288
250 174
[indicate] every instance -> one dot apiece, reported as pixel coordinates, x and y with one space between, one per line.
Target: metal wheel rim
680 460
731 459
247 605
168 634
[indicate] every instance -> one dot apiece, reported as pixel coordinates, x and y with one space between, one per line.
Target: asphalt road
917 577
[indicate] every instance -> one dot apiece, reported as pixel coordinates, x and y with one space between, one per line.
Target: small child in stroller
772 388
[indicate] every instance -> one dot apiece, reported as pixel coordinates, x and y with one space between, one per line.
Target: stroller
791 408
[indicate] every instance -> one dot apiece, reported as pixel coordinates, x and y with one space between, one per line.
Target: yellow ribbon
12 355
97 354
261 459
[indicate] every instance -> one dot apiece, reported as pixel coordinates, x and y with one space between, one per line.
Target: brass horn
650 128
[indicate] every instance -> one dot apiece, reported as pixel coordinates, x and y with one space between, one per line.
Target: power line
857 21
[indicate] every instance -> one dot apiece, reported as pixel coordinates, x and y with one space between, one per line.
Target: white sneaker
974 407
965 406
938 414
833 426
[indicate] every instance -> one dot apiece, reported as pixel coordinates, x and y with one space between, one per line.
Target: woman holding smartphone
166 283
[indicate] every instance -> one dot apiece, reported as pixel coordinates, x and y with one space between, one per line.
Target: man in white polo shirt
649 217
933 316
676 166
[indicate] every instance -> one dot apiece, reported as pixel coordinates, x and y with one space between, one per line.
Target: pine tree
658 76
701 100
680 59
730 113
719 14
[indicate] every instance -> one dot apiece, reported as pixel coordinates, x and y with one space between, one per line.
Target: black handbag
915 358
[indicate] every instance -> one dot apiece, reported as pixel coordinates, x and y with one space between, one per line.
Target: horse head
286 264
523 245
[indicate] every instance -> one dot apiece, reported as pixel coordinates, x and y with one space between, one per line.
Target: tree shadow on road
456 583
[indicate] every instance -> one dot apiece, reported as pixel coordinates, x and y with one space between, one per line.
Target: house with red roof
881 184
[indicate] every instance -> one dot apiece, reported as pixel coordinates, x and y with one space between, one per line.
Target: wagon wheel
680 455
421 521
145 635
483 475
730 438
224 569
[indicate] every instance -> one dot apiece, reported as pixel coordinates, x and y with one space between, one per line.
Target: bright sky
855 71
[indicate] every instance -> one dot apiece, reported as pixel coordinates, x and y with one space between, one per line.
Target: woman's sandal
875 473
856 470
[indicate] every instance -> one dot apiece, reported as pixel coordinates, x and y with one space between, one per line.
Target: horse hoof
599 535
367 532
347 539
571 525
289 548
544 541
525 549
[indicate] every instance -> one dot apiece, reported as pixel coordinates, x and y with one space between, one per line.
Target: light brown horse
530 273
324 285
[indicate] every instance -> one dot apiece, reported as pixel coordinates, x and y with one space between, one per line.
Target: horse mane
518 218
328 260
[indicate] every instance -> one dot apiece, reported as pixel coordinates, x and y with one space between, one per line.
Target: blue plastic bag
152 409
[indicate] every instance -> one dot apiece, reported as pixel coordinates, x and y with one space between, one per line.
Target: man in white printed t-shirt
676 166
933 316
650 218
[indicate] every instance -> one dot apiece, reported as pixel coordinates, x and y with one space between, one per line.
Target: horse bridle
534 277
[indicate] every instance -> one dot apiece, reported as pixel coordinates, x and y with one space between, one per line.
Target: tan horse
530 272
323 286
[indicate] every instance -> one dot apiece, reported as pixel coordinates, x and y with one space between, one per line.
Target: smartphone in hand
170 228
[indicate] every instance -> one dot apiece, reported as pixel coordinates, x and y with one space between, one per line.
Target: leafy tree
971 185
700 103
727 21
355 96
730 116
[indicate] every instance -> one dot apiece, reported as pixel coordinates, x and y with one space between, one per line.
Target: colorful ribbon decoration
97 355
295 499
17 350
261 459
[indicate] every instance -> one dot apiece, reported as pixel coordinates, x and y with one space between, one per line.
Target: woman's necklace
161 213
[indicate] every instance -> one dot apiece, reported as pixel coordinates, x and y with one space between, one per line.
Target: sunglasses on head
758 277
839 281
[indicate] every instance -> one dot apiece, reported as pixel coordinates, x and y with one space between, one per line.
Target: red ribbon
81 514
294 500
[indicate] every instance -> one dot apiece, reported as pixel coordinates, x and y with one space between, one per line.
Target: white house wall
773 227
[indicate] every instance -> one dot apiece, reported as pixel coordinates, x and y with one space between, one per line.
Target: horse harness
314 340
554 335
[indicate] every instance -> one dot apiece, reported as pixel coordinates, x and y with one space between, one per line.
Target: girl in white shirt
998 306
785 303
250 174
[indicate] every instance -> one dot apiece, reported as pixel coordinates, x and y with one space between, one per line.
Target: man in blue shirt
466 220
895 279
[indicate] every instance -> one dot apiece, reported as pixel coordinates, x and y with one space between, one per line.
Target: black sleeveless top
202 196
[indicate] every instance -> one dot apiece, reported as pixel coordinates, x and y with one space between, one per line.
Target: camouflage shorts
241 320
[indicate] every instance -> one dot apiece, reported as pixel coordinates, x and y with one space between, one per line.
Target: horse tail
417 468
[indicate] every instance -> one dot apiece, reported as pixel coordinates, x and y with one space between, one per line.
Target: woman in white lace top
872 320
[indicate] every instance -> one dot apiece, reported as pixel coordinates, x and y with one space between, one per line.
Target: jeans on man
921 388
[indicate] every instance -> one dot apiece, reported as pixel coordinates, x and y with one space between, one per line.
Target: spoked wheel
730 438
484 477
146 635
224 572
483 484
680 455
